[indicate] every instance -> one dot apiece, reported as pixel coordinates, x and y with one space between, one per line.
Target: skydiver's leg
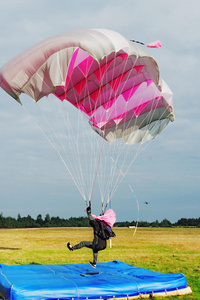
95 257
80 245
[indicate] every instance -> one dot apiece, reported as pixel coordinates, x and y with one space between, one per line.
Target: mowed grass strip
166 250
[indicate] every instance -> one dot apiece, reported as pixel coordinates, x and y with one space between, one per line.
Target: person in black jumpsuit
96 245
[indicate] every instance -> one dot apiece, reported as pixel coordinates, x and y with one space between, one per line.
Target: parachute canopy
99 80
112 80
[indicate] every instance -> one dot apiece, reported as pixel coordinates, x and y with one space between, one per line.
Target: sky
33 180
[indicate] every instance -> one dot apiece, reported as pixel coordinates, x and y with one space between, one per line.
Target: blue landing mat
80 281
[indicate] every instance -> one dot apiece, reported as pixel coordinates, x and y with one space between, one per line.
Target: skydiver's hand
89 209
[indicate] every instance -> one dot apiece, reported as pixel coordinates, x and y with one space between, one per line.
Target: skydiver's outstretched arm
94 224
90 216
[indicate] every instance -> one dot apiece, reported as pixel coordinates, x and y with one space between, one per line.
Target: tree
1 221
155 224
165 223
39 220
47 221
19 218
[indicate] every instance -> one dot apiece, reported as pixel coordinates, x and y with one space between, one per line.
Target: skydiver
98 242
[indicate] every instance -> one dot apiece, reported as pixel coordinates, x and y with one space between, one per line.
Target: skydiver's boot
93 264
69 246
95 257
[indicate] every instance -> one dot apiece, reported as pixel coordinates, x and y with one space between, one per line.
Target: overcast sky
34 181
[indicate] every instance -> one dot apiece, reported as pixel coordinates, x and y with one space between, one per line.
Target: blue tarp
80 281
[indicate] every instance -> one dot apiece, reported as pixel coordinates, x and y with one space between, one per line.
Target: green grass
170 250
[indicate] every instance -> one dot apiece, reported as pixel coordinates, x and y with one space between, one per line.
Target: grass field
170 250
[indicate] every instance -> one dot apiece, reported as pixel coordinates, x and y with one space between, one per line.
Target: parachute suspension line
138 151
81 147
57 151
116 149
70 138
75 149
71 153
123 174
82 152
134 157
130 187
97 168
76 155
95 160
60 138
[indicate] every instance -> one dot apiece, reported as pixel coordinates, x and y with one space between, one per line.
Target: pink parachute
113 81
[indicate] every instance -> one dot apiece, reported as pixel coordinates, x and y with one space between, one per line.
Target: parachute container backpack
106 221
105 231
114 99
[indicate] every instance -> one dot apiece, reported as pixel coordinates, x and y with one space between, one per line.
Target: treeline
183 222
47 221
29 222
